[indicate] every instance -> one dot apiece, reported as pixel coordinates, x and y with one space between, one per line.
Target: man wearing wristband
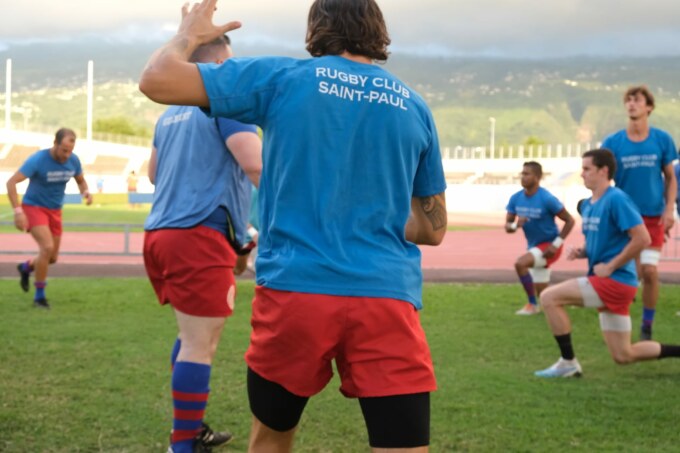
615 234
534 210
48 171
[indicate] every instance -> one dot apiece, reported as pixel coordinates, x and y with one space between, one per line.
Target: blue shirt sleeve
242 88
554 205
624 213
429 179
77 165
670 153
228 127
30 166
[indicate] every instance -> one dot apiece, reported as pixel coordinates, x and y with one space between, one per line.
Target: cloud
513 28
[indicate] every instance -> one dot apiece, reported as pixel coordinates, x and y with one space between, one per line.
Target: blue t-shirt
639 167
196 173
346 147
48 178
605 227
540 210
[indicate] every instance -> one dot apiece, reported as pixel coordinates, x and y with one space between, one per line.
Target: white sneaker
562 368
528 309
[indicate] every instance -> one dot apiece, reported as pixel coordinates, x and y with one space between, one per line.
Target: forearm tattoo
434 211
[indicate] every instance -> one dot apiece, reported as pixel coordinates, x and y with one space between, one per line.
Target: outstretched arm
428 220
246 147
168 77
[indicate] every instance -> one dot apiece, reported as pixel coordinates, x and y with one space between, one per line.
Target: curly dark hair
355 26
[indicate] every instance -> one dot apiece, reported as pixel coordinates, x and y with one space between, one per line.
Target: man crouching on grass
615 235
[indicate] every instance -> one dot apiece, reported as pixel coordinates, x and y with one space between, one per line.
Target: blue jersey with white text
639 167
605 227
540 210
196 173
346 147
48 178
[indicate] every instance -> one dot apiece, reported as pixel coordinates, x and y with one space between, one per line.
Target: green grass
92 374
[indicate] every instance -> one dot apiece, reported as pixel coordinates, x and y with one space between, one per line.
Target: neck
638 128
356 58
600 190
531 190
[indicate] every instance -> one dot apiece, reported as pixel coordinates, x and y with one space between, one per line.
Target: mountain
552 101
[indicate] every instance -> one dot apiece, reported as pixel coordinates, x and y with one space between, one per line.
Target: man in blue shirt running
203 170
615 235
48 171
534 210
352 180
644 159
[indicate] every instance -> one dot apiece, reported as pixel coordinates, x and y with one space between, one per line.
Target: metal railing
125 229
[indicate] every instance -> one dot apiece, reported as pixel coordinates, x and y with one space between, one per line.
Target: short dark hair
535 167
203 52
355 26
603 158
63 132
640 89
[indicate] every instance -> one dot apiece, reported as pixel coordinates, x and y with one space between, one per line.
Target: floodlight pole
90 72
8 95
492 136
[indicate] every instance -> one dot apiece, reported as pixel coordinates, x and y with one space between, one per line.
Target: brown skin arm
152 165
510 219
639 239
569 223
670 192
428 220
168 77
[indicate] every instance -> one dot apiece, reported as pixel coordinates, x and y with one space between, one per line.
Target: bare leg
266 440
553 301
623 352
46 250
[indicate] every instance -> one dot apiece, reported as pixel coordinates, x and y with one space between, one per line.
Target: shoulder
614 138
660 134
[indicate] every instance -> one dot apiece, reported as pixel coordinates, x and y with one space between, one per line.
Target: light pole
492 136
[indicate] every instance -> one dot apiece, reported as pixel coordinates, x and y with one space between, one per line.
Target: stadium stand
17 155
458 177
106 165
498 178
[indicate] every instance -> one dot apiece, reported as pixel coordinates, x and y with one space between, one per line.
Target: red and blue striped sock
190 389
39 290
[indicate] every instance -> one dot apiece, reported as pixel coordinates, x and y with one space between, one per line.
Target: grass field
92 375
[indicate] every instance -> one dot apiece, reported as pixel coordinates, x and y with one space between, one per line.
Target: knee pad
273 405
400 421
650 256
539 260
540 274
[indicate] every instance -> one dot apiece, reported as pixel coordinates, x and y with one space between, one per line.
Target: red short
543 246
615 296
655 227
37 215
378 344
191 269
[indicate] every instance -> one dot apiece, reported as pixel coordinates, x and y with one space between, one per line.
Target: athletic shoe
211 439
41 303
561 369
528 310
645 333
24 277
207 439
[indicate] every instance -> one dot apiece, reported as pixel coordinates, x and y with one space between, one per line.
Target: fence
518 152
122 249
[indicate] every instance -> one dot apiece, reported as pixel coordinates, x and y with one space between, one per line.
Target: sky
494 28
